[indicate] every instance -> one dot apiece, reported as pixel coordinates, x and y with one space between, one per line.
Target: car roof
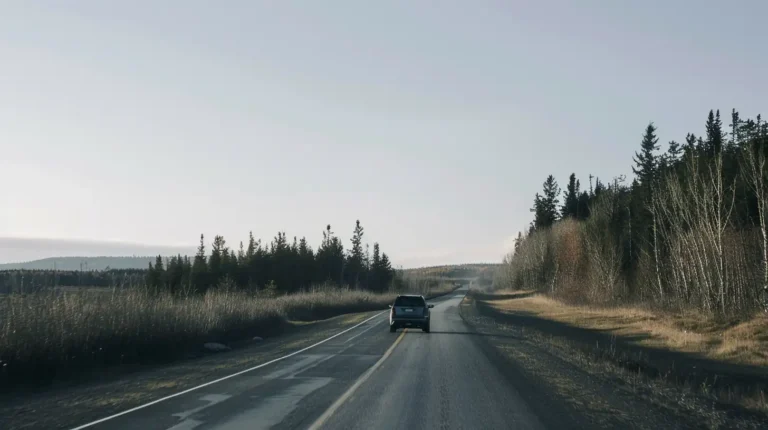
411 295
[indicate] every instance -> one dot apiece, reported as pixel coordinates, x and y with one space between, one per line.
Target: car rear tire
425 329
392 329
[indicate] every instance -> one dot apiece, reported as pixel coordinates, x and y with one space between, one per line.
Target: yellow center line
344 397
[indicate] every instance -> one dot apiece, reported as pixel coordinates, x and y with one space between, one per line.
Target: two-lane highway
367 378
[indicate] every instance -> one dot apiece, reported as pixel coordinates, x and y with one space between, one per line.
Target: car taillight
394 312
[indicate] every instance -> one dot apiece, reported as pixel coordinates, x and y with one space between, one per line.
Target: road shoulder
596 392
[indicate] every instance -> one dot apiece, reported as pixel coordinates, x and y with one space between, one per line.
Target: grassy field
48 335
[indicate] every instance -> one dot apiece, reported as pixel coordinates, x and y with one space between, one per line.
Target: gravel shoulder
599 392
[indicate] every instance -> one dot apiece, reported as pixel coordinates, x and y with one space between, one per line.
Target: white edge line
154 402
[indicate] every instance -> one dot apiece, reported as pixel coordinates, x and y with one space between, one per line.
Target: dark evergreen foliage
571 204
645 160
355 266
289 267
545 204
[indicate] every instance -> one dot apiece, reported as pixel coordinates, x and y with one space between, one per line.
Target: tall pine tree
306 262
330 258
200 268
571 204
714 128
219 253
386 274
545 204
645 160
355 260
674 152
375 279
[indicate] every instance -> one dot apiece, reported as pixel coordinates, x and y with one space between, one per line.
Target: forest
687 232
280 266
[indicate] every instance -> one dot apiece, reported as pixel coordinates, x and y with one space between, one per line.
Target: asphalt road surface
367 378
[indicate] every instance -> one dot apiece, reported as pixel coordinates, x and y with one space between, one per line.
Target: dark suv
409 311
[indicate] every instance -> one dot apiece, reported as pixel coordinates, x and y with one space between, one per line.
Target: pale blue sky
434 123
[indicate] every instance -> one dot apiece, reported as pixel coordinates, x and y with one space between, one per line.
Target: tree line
32 280
689 230
280 266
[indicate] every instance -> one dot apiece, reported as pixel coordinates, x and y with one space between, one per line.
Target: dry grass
744 342
51 334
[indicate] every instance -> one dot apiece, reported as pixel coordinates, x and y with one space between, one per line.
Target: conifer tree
571 204
186 275
645 160
219 252
200 268
241 254
175 274
355 260
545 204
375 281
251 251
690 144
367 266
307 263
583 205
280 262
386 274
714 129
735 128
673 153
156 274
599 188
330 258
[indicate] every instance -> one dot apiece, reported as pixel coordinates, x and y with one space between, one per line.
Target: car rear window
409 301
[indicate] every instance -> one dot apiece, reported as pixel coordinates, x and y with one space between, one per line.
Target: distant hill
88 263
